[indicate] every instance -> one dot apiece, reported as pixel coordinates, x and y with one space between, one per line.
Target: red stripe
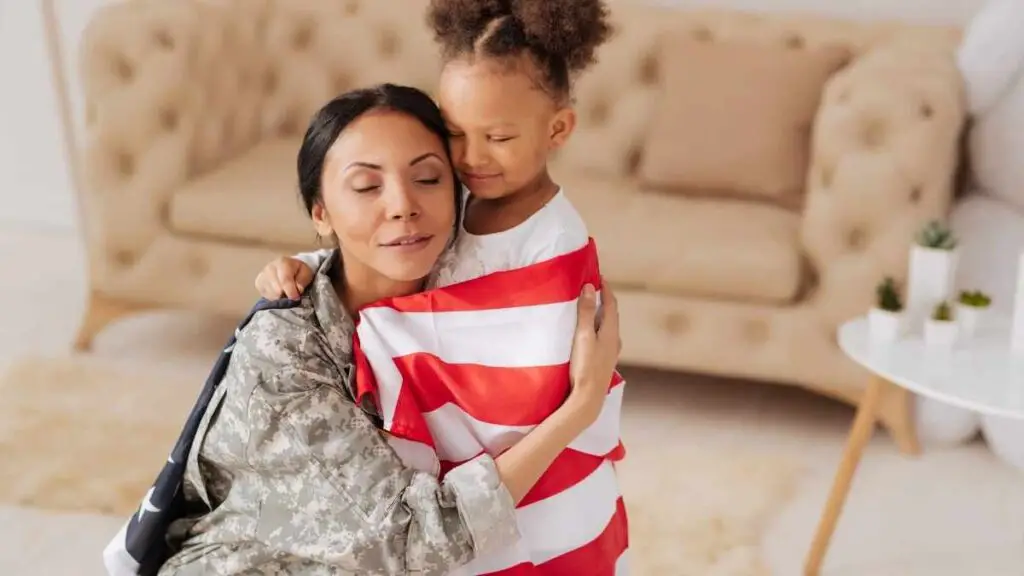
552 281
497 395
596 558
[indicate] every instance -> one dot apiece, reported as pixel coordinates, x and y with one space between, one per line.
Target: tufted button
124 258
927 111
599 112
826 174
388 43
125 164
675 323
123 69
755 331
794 41
302 36
702 34
270 81
634 157
197 265
163 39
169 119
649 70
856 239
341 82
873 134
289 124
915 194
351 7
90 114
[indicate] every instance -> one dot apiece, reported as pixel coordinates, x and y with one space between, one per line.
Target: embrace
437 394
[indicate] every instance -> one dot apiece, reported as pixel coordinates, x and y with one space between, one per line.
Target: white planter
969 318
930 280
886 327
1005 437
1017 336
941 425
940 333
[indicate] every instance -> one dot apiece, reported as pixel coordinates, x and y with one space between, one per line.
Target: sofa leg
100 312
897 415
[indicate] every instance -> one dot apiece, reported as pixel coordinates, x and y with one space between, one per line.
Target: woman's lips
409 243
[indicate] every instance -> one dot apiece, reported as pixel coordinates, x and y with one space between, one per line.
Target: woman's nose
400 203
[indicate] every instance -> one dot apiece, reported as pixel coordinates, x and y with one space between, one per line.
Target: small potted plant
885 320
940 330
933 263
971 306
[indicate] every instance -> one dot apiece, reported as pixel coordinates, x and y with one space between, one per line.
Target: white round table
981 373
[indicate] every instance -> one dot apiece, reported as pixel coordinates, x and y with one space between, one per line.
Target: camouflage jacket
289 476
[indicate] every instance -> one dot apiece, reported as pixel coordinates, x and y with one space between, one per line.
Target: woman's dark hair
560 35
331 120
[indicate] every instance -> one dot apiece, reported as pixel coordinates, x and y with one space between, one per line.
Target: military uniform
290 476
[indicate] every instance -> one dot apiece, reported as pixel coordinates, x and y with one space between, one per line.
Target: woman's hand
284 277
595 352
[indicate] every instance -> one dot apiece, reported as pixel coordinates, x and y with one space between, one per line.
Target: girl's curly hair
560 35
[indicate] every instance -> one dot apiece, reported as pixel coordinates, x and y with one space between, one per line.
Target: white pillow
991 53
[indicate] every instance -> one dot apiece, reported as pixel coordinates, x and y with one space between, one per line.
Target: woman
295 478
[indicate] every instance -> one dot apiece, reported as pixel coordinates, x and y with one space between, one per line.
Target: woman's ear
562 126
321 221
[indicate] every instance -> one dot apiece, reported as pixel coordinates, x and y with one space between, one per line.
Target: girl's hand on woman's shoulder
284 277
595 353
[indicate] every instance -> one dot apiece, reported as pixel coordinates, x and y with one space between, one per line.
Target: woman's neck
358 285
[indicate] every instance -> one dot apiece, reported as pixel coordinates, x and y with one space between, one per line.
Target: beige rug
87 435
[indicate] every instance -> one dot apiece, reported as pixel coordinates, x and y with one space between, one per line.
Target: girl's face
388 195
503 125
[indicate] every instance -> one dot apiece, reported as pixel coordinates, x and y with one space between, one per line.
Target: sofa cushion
699 247
735 118
253 198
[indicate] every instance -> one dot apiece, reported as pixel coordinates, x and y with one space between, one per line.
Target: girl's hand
595 353
284 277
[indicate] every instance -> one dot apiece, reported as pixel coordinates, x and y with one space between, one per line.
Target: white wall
35 183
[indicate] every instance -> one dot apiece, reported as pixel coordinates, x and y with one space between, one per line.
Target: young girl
505 93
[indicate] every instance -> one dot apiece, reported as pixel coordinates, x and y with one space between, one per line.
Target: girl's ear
320 220
562 126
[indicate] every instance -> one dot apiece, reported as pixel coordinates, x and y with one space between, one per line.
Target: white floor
956 512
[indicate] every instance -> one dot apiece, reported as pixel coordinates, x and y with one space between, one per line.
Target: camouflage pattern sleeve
333 492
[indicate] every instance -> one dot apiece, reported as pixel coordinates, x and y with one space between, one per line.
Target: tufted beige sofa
195 109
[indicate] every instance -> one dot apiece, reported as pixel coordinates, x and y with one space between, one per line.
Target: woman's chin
409 267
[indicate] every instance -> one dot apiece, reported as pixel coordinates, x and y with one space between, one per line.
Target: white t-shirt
556 229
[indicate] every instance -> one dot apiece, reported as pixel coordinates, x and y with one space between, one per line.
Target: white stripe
416 455
116 558
459 436
526 336
572 518
559 524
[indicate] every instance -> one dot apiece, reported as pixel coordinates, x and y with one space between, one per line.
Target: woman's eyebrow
423 157
362 165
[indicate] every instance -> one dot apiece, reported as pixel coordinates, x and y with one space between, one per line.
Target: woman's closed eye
500 139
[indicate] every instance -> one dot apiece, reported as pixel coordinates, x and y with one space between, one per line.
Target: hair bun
568 29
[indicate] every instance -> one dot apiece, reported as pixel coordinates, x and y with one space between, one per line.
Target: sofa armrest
885 149
171 89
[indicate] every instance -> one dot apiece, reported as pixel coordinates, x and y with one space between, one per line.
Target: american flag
471 368
140 547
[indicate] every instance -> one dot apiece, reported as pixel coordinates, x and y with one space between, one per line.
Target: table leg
860 433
